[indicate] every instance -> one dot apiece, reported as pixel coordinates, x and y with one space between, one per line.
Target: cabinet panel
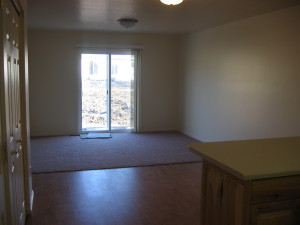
276 213
224 199
283 217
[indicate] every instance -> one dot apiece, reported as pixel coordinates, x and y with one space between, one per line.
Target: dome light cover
127 22
171 2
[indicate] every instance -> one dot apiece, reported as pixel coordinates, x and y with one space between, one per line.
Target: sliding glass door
122 92
94 98
108 93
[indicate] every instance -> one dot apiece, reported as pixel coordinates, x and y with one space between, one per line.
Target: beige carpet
69 153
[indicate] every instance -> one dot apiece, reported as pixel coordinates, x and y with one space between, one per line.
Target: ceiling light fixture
127 22
171 2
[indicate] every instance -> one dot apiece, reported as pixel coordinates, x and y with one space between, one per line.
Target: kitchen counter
253 159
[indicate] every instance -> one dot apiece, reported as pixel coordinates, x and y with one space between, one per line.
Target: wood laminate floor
153 195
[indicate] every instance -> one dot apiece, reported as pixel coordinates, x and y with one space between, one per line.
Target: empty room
128 112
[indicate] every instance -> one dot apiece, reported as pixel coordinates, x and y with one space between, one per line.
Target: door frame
24 100
103 49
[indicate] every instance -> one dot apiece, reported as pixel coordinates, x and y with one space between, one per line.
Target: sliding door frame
137 70
108 96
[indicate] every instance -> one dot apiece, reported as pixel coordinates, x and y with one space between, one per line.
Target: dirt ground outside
94 105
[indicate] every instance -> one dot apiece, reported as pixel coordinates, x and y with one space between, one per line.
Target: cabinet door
224 199
276 213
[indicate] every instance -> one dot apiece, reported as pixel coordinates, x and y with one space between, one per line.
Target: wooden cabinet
250 182
275 201
228 200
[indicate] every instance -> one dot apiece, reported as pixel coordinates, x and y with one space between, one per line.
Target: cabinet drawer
272 213
275 189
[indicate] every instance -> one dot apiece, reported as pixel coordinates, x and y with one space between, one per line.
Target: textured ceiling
153 16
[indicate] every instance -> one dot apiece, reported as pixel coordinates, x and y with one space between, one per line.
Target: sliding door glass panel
122 92
94 90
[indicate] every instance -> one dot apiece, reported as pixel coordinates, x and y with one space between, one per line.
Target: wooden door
10 113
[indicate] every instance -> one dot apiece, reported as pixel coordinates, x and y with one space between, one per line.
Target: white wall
53 74
242 80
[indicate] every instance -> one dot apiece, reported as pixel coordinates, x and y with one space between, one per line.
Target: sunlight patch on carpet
93 135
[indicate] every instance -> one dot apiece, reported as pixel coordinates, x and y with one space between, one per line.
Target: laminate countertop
253 159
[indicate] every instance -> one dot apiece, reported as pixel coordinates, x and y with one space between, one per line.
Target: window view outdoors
99 110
